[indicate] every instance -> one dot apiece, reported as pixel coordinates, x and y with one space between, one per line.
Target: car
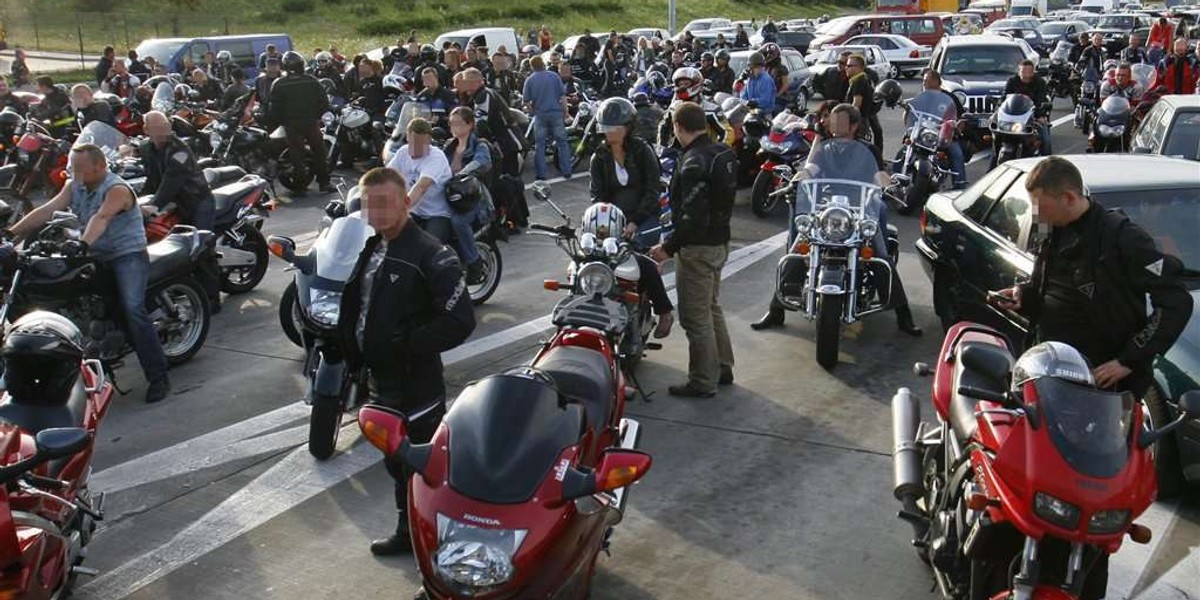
796 40
907 57
1171 128
697 25
1033 37
982 239
950 22
1116 29
493 37
1014 23
244 49
975 68
824 61
648 32
799 75
1054 31
922 29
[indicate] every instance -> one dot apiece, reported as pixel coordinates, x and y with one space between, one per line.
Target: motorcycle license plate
983 121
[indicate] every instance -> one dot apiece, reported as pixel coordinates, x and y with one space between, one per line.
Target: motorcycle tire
324 425
914 197
493 268
1166 452
193 340
239 280
295 180
761 201
829 329
289 313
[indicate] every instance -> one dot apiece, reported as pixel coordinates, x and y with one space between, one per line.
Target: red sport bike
524 480
1029 477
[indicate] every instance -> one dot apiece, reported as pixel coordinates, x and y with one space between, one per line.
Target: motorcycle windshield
338 250
842 159
1062 52
101 134
412 110
786 120
1144 75
863 200
506 431
164 98
1090 428
1115 107
931 118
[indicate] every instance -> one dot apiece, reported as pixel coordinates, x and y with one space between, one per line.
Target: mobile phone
994 297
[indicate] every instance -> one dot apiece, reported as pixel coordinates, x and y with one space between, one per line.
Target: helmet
42 353
293 63
184 92
529 49
398 53
324 58
463 190
756 59
328 86
770 52
1052 359
723 54
428 53
888 92
638 99
224 56
688 83
603 220
615 113
10 119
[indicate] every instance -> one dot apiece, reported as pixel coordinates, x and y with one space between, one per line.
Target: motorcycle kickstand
112 379
637 386
606 545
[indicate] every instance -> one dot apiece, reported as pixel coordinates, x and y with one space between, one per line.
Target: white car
825 60
907 57
696 25
648 32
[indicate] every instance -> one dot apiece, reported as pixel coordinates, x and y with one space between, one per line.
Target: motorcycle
83 290
41 164
1060 82
529 472
830 232
1014 491
350 135
1014 132
256 150
788 142
923 167
309 311
1089 99
1111 133
756 126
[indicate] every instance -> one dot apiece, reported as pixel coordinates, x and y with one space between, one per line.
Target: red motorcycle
41 164
1029 477
521 486
47 514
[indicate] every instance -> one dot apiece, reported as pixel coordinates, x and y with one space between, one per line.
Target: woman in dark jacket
469 155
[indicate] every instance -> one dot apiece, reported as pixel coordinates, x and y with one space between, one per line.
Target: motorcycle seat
168 257
221 175
962 408
583 375
226 196
33 415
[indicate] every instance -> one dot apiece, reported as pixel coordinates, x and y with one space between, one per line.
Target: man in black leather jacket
405 303
1029 83
1094 55
173 175
88 109
492 117
297 103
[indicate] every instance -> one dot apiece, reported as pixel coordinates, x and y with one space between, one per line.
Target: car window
243 52
1013 214
977 199
1183 136
198 51
1153 129
796 61
1171 218
885 44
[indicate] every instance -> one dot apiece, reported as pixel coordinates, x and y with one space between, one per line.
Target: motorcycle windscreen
1114 110
1144 75
1062 51
412 110
164 98
505 433
101 134
338 250
1015 113
935 115
838 205
1090 428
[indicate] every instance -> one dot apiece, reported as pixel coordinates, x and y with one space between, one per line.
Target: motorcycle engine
103 339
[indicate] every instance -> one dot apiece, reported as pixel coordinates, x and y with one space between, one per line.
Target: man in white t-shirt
426 170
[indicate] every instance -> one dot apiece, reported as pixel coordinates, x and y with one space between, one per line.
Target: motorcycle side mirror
1189 410
283 247
60 442
617 469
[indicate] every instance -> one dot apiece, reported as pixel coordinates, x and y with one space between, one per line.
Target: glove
72 248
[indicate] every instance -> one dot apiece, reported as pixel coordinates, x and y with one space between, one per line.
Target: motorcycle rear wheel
829 329
324 425
493 267
761 201
188 301
294 179
239 280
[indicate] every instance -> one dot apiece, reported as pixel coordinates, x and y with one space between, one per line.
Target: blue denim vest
125 234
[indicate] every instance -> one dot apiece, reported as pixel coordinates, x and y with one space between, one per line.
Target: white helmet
603 220
688 83
224 56
324 58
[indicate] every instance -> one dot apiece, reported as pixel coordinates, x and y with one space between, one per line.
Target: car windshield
837 26
982 60
1053 28
827 56
1171 217
161 50
1115 22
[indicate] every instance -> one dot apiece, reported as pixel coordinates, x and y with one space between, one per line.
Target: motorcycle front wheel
493 267
295 179
829 329
239 280
914 196
183 332
324 425
289 314
761 201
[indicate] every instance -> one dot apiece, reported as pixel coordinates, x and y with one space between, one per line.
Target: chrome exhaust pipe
906 454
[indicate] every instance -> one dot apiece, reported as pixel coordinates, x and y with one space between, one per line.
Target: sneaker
158 390
475 273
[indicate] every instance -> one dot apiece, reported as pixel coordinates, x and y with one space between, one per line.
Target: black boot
399 542
771 320
904 320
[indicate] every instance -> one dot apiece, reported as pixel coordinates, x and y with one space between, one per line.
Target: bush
528 13
297 6
364 10
594 7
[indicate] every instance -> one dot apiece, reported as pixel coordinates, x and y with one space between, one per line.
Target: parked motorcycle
1111 133
1014 132
351 134
787 143
1028 475
40 166
923 167
528 474
256 150
309 311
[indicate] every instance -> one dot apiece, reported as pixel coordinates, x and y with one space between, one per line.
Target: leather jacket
174 177
702 194
638 198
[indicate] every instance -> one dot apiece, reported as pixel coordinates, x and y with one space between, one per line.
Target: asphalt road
777 488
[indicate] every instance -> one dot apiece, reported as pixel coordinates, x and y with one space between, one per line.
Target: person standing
137 67
404 304
297 103
837 81
862 95
702 194
262 86
104 65
1161 33
19 71
545 96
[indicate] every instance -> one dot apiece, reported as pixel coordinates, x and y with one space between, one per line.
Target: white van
493 38
1097 6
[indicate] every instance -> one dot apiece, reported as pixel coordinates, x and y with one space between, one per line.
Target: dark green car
983 239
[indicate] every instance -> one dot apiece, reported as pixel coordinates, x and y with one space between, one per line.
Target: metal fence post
79 29
37 37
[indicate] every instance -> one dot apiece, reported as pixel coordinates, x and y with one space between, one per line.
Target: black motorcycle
264 153
1111 131
1061 84
1088 100
1014 132
351 134
923 167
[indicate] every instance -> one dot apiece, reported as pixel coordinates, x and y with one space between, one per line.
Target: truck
1027 8
916 7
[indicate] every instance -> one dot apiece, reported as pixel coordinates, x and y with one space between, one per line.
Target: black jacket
1089 289
210 90
370 96
638 199
419 308
1037 90
722 79
702 194
102 68
492 119
1093 57
173 176
262 91
54 104
11 100
98 110
296 100
231 95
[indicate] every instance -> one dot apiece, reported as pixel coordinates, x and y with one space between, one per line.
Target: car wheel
1165 453
893 72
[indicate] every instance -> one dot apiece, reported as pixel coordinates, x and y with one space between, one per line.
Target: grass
356 25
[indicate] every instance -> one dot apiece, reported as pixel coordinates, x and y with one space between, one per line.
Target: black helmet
888 92
640 99
10 119
723 54
707 56
464 190
615 113
293 63
399 53
42 354
428 53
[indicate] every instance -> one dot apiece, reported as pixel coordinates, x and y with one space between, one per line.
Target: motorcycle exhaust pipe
906 454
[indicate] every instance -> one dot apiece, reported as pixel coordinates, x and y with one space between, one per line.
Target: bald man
492 118
173 175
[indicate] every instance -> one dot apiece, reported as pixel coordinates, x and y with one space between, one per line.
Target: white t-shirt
434 166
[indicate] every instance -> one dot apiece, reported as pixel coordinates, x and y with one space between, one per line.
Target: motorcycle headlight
928 138
1111 130
804 224
837 225
867 229
325 306
214 140
474 558
1108 521
327 119
595 278
1055 511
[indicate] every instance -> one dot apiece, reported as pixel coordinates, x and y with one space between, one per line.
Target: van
924 30
244 48
990 10
493 38
1097 6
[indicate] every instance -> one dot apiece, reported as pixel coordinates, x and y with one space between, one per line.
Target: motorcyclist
760 86
722 75
932 81
1123 85
1135 53
9 100
604 220
861 94
504 80
173 175
326 68
1179 70
114 235
625 170
297 103
689 86
403 305
773 62
1094 55
1162 32
429 58
649 115
369 93
223 69
428 170
88 109
843 157
439 99
270 52
209 89
262 85
706 65
234 92
1081 43
469 155
492 116
55 102
1029 83
582 66
121 82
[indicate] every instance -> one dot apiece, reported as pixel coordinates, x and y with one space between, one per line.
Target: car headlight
1055 511
595 278
1108 521
325 306
867 229
837 225
327 118
473 557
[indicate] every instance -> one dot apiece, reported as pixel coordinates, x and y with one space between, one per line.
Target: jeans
441 228
387 390
698 283
464 229
958 162
132 272
1044 134
545 126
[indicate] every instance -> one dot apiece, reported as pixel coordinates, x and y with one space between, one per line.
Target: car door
879 63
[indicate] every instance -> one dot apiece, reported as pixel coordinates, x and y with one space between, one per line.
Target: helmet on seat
603 220
42 354
688 83
293 63
463 190
614 114
1052 359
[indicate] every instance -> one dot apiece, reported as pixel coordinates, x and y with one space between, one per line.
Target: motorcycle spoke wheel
186 326
239 280
493 267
